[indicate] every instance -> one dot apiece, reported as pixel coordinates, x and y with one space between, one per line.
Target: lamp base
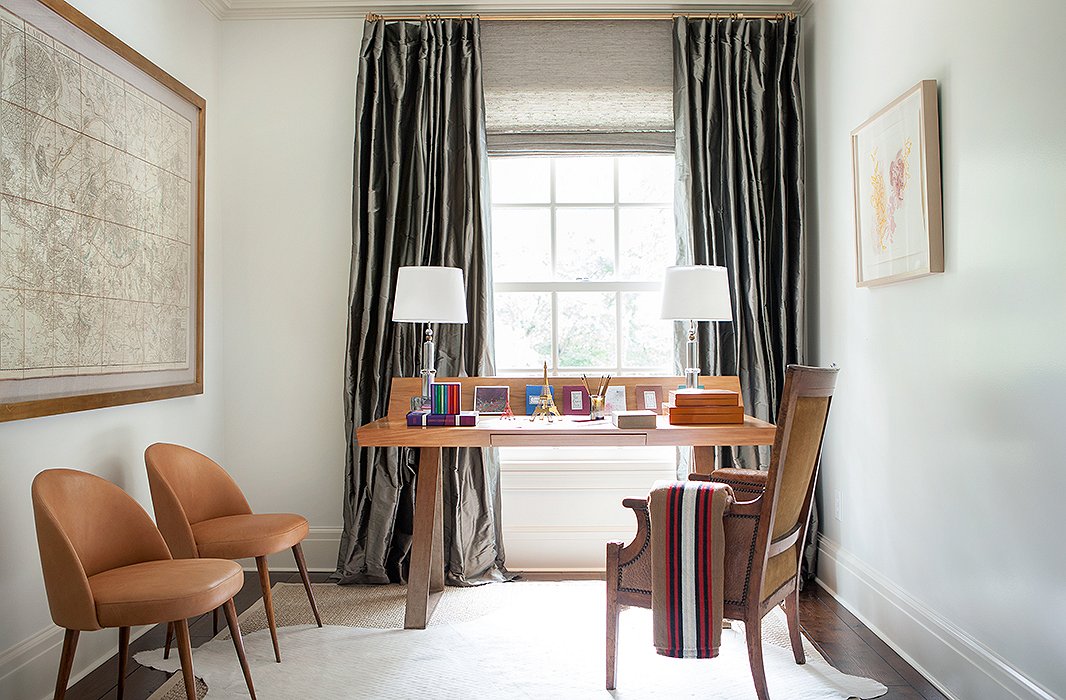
692 372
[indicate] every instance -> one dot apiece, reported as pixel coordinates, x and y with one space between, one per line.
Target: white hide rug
540 640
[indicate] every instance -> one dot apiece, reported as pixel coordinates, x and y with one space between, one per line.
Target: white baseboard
959 665
28 669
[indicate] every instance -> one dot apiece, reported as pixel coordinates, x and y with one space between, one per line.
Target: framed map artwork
101 219
896 179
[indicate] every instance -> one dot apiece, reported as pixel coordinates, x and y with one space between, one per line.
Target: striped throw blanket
687 550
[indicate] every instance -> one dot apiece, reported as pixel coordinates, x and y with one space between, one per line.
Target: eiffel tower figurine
546 405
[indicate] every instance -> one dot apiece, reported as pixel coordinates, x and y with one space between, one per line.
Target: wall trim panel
958 665
28 669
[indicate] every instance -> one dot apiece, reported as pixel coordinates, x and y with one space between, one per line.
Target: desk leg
425 579
703 460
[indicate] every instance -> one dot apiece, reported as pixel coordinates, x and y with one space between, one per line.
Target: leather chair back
86 525
188 488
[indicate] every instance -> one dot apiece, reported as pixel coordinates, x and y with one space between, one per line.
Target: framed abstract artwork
899 229
491 400
101 219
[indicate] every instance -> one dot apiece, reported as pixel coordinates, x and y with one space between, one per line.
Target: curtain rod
538 17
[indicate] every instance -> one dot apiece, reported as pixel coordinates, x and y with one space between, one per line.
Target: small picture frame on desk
533 392
491 400
615 400
575 401
649 397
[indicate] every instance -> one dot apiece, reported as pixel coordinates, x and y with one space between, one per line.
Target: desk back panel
403 388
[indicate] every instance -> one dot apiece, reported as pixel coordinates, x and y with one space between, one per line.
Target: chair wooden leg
70 643
123 656
185 654
298 554
170 638
753 631
268 603
214 622
238 643
612 614
792 614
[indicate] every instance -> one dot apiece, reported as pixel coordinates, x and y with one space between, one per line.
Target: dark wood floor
838 634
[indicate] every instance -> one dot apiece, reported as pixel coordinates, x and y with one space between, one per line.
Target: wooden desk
426 576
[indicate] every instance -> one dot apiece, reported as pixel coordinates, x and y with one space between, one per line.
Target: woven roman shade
558 87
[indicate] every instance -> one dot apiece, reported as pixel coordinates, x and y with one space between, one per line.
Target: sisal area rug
502 641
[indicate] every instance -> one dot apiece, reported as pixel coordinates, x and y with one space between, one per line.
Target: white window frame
555 286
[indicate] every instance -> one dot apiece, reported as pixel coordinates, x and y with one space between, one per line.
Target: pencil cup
596 407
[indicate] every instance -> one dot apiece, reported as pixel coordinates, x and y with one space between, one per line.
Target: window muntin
579 248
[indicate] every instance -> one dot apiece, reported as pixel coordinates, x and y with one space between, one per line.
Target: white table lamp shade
429 295
696 293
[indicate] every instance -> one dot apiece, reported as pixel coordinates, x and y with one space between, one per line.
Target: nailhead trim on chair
643 549
751 558
647 542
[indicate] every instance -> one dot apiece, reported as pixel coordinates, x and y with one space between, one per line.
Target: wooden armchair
764 531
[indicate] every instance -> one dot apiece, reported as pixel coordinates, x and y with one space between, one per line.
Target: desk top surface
492 431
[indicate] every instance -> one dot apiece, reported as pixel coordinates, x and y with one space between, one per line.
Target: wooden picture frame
646 393
116 185
895 158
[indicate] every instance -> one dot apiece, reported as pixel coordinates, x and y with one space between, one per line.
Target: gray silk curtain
739 147
420 198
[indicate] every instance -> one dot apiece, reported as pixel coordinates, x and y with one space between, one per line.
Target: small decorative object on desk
545 400
634 419
704 397
427 419
704 407
649 397
533 392
614 399
575 400
491 399
596 407
445 397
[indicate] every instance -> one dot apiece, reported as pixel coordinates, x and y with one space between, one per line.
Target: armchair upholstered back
786 504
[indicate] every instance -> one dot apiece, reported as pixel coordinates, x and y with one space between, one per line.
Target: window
579 245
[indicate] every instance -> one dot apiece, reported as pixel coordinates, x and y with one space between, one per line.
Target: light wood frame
932 204
17 410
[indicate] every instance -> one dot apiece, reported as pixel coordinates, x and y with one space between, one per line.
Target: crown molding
216 7
336 9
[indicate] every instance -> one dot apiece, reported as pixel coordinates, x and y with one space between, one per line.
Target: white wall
945 441
288 127
182 38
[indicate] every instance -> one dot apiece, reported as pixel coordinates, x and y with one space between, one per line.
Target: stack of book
427 419
704 407
443 408
445 398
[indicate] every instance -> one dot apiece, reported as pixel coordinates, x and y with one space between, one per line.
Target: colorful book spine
445 398
437 420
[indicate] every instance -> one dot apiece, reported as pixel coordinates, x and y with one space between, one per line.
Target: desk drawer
533 439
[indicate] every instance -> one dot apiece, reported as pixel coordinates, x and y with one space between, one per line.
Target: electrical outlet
838 505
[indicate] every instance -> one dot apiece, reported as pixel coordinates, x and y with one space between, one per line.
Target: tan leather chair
106 565
765 531
203 513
